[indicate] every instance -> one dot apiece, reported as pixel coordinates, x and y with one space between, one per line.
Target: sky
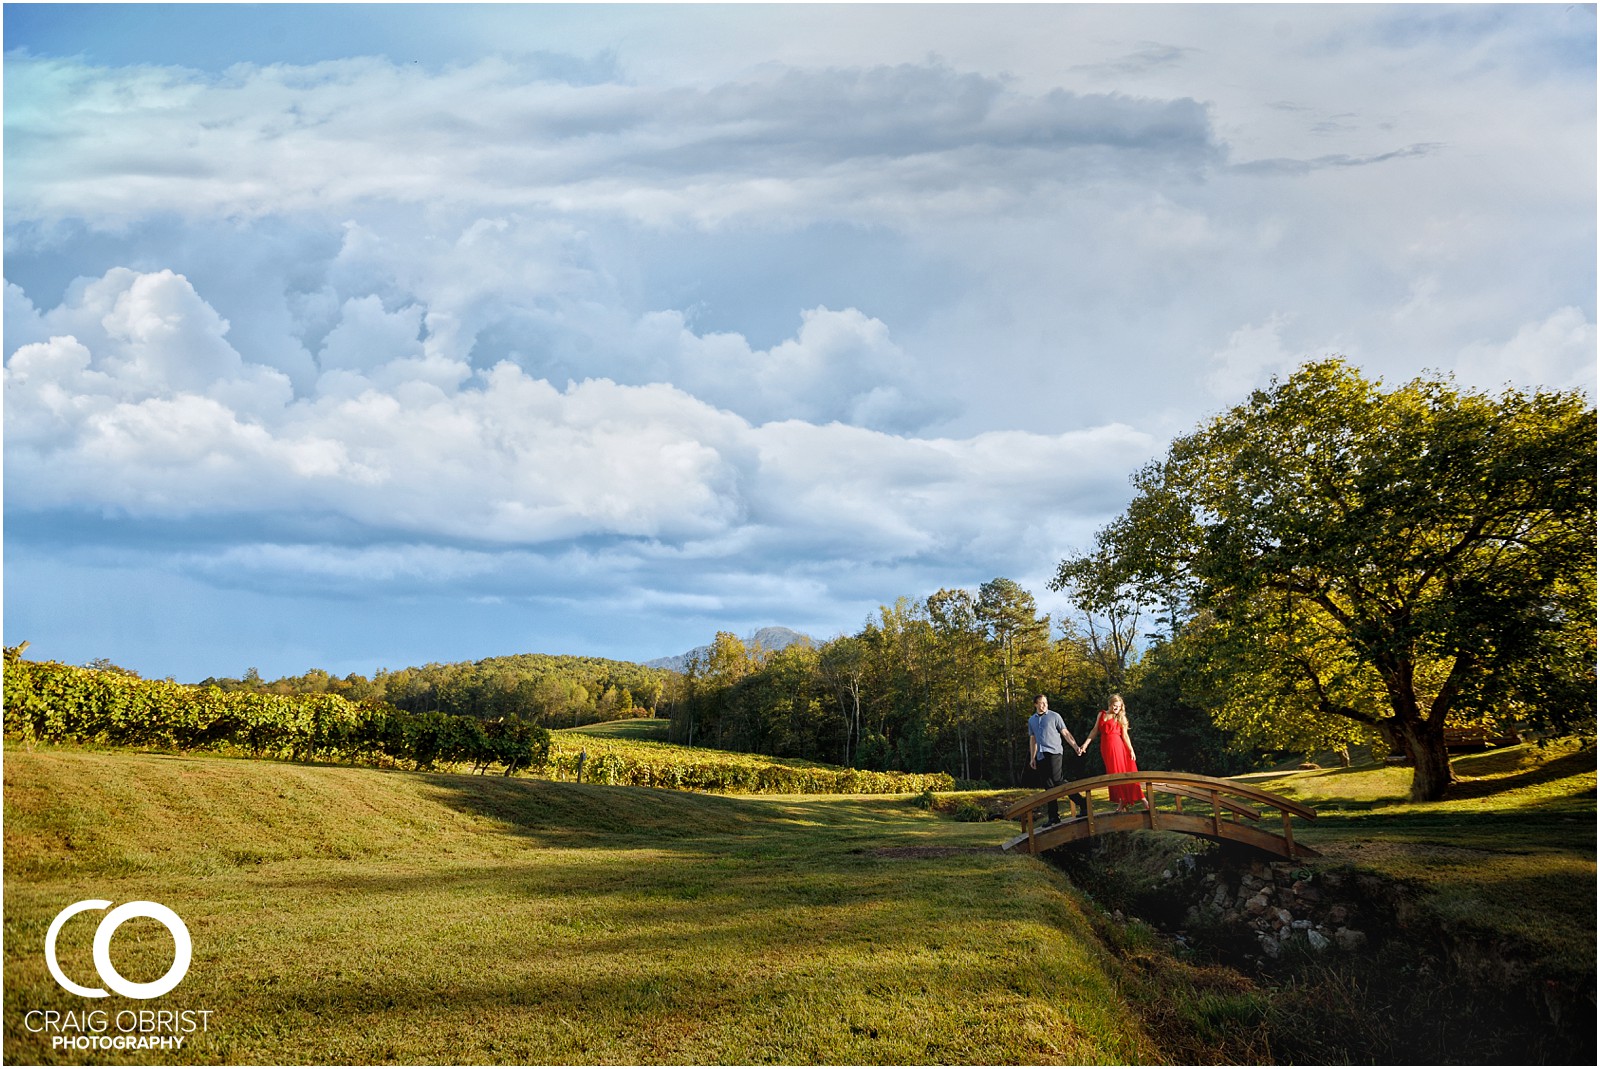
364 336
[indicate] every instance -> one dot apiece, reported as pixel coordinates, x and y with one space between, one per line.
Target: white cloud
1557 352
1254 354
503 457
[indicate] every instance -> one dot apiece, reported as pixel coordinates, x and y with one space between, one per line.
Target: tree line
942 684
549 690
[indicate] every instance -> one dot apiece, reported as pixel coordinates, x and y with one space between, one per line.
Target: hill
771 639
347 915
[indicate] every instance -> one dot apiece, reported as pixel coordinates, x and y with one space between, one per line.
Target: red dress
1118 758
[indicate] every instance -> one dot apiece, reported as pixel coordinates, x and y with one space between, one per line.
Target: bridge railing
1224 807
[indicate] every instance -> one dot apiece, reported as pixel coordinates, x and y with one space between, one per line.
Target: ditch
1233 958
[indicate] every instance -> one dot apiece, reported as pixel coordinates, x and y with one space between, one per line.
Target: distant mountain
771 639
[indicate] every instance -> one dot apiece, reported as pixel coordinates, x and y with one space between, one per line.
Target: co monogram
102 949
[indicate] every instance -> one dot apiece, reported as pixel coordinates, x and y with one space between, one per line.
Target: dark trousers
1072 769
1047 774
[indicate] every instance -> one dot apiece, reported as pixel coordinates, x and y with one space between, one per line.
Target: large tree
1437 541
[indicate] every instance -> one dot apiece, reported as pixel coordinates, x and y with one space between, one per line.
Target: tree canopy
1401 559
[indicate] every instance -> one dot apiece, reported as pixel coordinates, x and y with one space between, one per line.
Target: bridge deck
1222 805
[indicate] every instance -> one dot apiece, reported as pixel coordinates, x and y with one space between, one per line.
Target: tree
960 664
1435 542
1018 635
1111 614
843 667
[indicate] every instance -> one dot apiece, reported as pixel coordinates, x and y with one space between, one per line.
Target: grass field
348 915
354 915
1510 853
638 729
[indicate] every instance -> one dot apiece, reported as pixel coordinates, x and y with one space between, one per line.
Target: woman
1116 749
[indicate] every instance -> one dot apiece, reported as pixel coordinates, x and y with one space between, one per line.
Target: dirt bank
1351 966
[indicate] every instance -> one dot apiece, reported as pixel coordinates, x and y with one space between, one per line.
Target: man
1046 734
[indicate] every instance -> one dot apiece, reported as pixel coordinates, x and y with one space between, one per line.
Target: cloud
741 316
1557 352
1254 353
842 366
497 457
110 145
1294 167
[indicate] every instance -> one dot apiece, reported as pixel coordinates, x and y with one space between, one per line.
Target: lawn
351 915
638 729
347 915
1510 853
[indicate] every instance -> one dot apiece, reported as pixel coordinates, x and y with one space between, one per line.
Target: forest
945 683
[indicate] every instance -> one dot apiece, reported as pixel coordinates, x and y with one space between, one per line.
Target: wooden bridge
1220 809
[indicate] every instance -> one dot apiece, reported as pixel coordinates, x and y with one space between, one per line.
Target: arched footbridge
1217 809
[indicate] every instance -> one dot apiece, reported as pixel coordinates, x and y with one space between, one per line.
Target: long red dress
1118 758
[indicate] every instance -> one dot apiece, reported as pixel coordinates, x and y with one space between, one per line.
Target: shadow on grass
558 814
1488 765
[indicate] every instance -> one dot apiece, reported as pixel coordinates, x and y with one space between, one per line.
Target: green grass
347 915
639 729
1511 852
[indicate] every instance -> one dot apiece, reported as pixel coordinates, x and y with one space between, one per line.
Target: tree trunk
1431 776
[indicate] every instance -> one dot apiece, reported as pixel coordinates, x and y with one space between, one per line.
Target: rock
1222 897
1301 926
1270 946
1309 894
1338 914
1257 905
1117 916
1349 939
1166 874
1318 941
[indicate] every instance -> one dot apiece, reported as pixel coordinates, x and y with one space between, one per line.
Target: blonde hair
1118 708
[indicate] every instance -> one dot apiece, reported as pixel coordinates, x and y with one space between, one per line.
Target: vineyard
652 764
56 703
50 702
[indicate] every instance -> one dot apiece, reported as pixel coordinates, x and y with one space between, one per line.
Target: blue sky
364 336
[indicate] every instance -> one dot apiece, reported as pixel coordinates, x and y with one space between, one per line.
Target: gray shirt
1046 729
